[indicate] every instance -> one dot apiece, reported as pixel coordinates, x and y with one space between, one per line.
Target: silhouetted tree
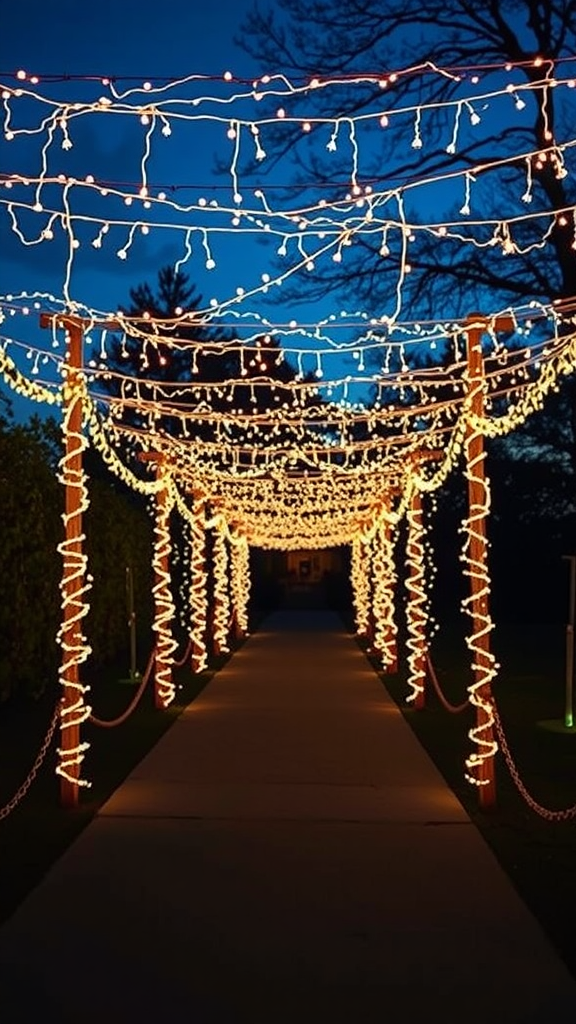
308 39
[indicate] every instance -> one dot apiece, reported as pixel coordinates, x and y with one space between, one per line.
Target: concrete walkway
286 854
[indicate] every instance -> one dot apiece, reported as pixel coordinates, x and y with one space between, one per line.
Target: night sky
115 39
124 37
132 42
122 40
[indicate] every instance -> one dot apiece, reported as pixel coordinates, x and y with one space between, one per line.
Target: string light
385 628
240 581
311 230
198 589
74 586
221 595
360 586
163 602
416 605
295 460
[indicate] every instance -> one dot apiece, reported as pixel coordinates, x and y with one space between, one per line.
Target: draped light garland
109 218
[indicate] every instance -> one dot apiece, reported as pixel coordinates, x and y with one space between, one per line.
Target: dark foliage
118 535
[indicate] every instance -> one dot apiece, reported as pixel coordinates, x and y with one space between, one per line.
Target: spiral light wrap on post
385 630
416 605
74 585
198 588
360 586
163 601
240 582
483 661
221 596
246 584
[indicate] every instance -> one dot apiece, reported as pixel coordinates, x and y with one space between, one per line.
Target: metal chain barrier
563 815
103 724
454 709
23 789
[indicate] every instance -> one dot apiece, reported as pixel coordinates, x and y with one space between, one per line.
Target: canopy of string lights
274 432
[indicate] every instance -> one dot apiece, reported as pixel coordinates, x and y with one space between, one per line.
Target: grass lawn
539 856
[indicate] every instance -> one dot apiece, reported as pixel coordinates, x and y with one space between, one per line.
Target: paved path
286 854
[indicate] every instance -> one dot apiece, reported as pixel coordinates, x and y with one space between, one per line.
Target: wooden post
360 583
239 598
368 547
391 641
476 325
198 595
220 597
417 612
382 605
417 616
569 702
163 666
72 709
163 604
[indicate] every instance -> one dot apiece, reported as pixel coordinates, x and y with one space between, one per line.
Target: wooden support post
73 580
360 583
390 638
163 665
163 604
198 595
476 326
238 556
370 620
216 646
384 628
416 610
220 596
73 710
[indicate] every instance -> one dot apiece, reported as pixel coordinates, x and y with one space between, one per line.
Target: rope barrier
23 789
185 656
453 709
103 724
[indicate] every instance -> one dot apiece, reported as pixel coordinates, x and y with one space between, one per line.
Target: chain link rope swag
563 814
21 792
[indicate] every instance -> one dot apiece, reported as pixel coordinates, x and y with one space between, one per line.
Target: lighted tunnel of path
286 853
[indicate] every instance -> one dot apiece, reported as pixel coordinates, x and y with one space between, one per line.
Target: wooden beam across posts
475 327
73 578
